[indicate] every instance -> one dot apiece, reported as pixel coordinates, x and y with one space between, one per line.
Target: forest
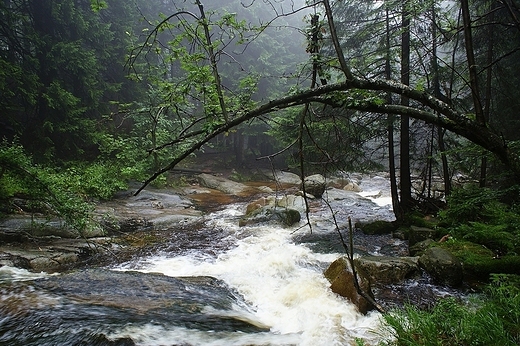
99 93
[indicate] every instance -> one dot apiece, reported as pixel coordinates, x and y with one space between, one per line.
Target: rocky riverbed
130 224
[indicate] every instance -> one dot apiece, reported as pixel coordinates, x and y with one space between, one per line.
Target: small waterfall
281 282
219 284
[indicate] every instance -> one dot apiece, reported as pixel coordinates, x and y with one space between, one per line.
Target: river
223 285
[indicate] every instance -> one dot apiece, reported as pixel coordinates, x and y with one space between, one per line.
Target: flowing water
219 284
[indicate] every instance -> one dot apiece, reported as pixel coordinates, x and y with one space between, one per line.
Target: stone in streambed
384 270
442 265
341 278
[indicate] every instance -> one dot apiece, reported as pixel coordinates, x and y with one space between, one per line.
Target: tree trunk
437 93
473 80
404 174
390 128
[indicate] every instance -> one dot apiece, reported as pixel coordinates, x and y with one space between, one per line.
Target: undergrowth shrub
480 215
66 192
492 319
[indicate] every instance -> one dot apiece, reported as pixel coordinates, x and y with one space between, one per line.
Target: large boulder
417 234
342 283
283 177
442 266
224 185
382 270
315 185
292 202
377 227
418 249
287 201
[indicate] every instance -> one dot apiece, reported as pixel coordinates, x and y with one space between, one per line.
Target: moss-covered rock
418 249
442 265
418 234
377 227
479 262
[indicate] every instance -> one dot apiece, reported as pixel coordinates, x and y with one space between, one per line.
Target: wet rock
341 278
46 264
36 226
443 266
418 248
137 224
51 255
292 202
382 270
285 216
259 203
315 185
282 177
288 201
79 308
417 234
223 184
352 186
377 227
400 234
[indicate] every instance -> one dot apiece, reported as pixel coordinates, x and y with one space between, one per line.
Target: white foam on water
11 274
283 284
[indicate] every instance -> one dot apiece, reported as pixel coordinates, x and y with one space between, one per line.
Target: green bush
493 319
17 173
479 215
66 192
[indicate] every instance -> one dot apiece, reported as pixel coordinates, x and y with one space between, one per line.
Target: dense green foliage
94 93
62 65
485 216
493 319
67 192
135 88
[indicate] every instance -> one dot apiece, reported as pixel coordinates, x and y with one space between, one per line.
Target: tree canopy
152 82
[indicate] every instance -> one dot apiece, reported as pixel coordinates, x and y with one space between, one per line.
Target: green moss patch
478 261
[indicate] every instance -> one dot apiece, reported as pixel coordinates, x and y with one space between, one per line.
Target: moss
478 261
378 227
420 220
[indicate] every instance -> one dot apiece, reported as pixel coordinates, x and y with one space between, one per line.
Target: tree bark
404 158
473 80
